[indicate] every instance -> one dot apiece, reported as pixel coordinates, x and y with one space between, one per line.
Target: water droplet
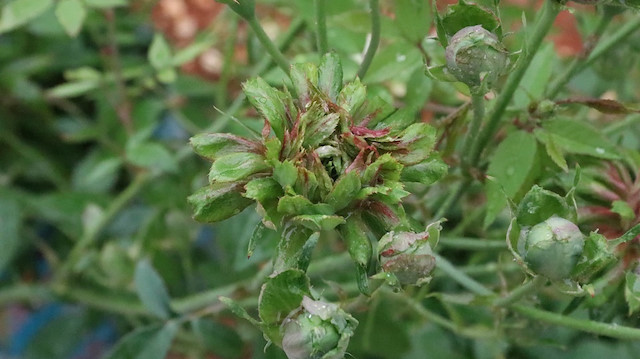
400 57
600 150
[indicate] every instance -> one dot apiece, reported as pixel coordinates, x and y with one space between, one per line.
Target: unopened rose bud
407 255
476 57
553 248
319 331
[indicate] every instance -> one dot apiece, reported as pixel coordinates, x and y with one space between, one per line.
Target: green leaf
269 102
354 233
514 162
413 19
632 291
304 77
152 156
578 137
286 173
71 14
596 255
236 166
418 140
317 125
462 15
96 173
393 191
318 222
352 96
552 149
150 342
151 290
104 4
19 12
263 189
419 88
293 205
536 78
218 338
281 294
539 204
10 219
496 200
344 191
218 202
214 145
72 89
159 53
385 168
256 235
426 172
394 62
623 209
330 75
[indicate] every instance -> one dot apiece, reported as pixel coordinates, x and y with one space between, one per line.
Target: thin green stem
459 276
589 326
227 65
577 62
550 10
606 45
90 234
611 330
477 101
451 199
428 315
32 155
374 41
472 244
109 302
520 292
321 26
271 48
25 293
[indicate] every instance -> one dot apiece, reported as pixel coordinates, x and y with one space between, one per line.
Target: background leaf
71 14
578 137
19 12
152 290
150 342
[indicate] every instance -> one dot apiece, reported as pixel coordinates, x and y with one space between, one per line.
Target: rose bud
407 255
476 57
552 248
320 330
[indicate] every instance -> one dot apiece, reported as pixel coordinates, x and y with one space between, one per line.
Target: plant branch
428 315
451 199
477 101
550 10
321 26
520 292
271 48
374 41
90 234
577 63
589 326
472 244
122 103
459 276
611 330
